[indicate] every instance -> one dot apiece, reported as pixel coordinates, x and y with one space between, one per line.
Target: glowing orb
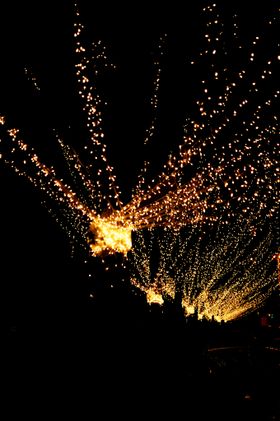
109 237
153 297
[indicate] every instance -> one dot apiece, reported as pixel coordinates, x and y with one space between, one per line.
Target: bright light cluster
109 237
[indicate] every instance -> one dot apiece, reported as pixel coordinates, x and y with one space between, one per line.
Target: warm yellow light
154 297
188 309
109 237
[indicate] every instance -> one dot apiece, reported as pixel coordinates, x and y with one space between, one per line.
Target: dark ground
114 357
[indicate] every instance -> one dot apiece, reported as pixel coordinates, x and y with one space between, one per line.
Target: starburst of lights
226 159
222 273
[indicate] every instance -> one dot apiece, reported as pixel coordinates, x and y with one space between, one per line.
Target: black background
69 332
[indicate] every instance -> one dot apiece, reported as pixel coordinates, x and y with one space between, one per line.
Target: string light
222 273
230 148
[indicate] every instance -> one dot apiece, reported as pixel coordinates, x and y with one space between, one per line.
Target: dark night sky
35 264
